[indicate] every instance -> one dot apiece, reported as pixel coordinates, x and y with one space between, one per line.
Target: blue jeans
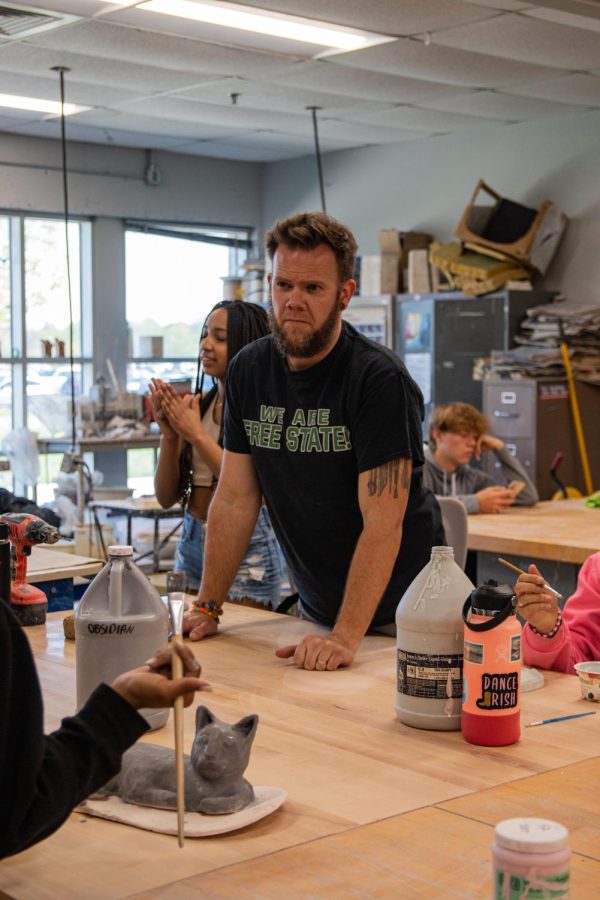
260 574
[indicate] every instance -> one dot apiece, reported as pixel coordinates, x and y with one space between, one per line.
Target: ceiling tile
361 133
395 18
193 111
506 5
583 90
33 60
91 135
275 96
495 105
431 120
531 40
182 54
48 88
323 75
414 59
162 127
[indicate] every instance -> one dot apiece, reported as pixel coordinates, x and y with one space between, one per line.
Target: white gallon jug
429 645
119 624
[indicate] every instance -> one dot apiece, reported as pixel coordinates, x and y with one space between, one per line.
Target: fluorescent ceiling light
262 21
35 104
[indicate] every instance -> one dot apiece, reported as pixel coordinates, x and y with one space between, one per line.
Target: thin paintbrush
509 565
561 719
176 608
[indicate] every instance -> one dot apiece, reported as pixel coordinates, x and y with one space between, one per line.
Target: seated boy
457 432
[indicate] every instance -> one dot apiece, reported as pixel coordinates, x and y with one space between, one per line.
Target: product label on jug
429 675
110 628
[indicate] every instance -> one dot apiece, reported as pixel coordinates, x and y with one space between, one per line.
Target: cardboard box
379 274
151 345
530 236
419 276
388 272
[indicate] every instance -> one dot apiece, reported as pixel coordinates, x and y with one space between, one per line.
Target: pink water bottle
491 667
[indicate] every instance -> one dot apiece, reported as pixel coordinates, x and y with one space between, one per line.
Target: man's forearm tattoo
390 476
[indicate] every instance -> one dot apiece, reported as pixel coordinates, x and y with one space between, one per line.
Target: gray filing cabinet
533 418
443 337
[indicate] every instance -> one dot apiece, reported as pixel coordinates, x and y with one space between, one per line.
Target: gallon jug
492 667
119 624
429 645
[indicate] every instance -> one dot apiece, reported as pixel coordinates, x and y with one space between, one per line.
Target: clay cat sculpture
213 772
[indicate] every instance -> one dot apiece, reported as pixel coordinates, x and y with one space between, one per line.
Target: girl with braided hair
191 453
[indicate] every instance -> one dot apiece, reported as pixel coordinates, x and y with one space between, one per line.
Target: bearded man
326 426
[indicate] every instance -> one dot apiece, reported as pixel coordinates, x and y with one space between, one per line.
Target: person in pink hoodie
557 640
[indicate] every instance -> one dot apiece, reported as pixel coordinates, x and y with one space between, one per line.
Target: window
174 278
35 376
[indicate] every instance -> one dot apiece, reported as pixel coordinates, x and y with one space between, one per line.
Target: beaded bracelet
550 634
208 608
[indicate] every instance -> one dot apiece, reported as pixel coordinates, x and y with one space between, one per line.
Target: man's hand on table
318 653
198 625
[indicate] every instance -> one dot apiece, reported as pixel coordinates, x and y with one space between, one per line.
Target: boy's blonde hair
458 418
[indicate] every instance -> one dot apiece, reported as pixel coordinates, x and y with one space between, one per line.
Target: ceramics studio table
374 808
55 571
556 535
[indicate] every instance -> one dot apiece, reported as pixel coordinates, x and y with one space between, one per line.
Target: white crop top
202 475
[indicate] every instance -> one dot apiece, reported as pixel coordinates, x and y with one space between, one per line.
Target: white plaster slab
267 800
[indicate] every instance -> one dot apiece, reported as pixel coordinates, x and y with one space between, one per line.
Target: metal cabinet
533 418
444 339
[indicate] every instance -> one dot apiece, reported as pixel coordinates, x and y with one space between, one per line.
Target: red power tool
28 603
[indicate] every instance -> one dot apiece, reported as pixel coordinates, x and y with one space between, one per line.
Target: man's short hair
458 418
309 230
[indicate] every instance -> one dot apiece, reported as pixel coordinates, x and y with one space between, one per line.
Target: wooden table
139 507
375 808
556 536
97 444
45 564
55 572
564 530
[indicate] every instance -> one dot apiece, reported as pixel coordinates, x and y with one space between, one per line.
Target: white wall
108 181
425 185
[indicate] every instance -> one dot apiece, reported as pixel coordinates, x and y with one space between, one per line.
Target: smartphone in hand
515 487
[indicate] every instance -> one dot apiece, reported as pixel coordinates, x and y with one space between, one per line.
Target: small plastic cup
589 679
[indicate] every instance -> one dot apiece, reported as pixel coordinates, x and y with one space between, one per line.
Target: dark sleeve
43 777
234 431
388 421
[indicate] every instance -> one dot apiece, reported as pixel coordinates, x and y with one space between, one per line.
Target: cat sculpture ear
203 717
247 726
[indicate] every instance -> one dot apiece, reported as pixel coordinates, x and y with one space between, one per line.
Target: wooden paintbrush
176 608
509 565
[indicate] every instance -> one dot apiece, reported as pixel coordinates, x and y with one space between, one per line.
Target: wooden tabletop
137 506
563 530
369 798
45 564
96 444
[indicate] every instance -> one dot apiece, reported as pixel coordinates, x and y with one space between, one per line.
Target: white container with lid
119 624
531 860
429 645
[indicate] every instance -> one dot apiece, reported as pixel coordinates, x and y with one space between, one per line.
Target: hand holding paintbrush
537 602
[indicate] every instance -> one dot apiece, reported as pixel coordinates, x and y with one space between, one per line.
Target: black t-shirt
310 434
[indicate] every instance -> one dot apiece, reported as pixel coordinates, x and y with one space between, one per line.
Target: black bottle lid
491 596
